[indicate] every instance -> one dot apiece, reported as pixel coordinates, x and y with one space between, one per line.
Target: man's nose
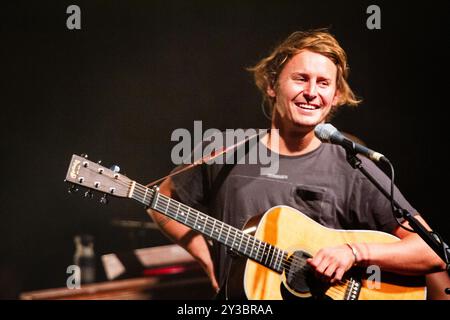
310 91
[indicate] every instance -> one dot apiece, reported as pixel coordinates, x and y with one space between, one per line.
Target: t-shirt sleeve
370 207
188 187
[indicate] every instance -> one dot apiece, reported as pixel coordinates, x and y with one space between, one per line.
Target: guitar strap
210 157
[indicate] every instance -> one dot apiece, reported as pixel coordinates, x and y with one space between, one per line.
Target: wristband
355 253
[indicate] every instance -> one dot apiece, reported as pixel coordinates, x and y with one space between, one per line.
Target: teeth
306 106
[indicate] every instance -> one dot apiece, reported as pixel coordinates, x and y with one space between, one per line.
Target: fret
202 218
183 213
151 197
281 260
246 244
270 254
255 249
221 228
267 252
167 207
173 211
263 251
240 242
234 240
156 200
271 258
212 229
228 233
235 236
275 257
252 247
159 205
187 215
205 222
195 221
278 258
178 209
145 195
260 251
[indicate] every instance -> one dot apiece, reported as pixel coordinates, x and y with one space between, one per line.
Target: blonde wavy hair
267 70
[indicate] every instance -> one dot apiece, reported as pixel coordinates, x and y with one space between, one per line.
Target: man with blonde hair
304 81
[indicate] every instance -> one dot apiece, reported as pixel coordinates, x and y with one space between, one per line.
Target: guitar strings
166 205
166 202
295 262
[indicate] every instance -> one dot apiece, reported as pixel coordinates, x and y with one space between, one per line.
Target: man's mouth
307 106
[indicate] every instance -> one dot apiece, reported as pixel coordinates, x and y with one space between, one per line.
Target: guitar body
292 231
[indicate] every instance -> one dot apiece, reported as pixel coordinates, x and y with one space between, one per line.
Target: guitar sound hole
301 279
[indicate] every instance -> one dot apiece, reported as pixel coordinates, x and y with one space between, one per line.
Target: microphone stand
441 249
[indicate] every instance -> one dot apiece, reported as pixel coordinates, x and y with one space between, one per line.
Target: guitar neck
242 243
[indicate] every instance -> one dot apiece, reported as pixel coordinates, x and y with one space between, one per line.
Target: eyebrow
306 74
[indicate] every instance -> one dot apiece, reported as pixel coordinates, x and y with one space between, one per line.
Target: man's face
306 90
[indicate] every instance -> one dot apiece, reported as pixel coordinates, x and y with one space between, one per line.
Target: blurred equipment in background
84 257
163 272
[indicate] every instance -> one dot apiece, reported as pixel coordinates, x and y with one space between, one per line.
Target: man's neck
291 141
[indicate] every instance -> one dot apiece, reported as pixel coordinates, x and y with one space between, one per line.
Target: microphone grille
324 131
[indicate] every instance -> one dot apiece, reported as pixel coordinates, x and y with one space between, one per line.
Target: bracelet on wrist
355 254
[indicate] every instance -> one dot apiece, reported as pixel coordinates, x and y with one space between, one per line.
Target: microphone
328 133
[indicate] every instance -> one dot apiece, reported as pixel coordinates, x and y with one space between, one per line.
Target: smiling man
304 81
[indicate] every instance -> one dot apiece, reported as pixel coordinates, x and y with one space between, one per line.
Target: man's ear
271 92
336 98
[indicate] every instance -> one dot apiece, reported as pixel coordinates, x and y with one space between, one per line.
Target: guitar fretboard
244 244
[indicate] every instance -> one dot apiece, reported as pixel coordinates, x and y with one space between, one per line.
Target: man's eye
324 84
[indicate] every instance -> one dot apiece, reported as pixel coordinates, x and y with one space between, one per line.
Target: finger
214 284
322 266
317 260
329 271
320 270
339 274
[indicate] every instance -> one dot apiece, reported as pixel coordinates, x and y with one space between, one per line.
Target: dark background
137 70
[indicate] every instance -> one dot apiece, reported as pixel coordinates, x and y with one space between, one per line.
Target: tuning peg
99 162
84 155
88 194
73 188
104 199
115 168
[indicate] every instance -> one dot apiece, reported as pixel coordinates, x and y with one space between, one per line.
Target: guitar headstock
94 176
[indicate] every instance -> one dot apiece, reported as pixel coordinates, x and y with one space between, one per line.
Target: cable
446 251
436 236
394 209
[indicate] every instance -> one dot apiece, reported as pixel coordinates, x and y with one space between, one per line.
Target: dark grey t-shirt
321 184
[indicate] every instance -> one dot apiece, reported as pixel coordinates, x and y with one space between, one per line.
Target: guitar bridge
353 289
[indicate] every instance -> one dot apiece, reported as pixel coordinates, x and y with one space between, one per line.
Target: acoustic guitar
274 246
